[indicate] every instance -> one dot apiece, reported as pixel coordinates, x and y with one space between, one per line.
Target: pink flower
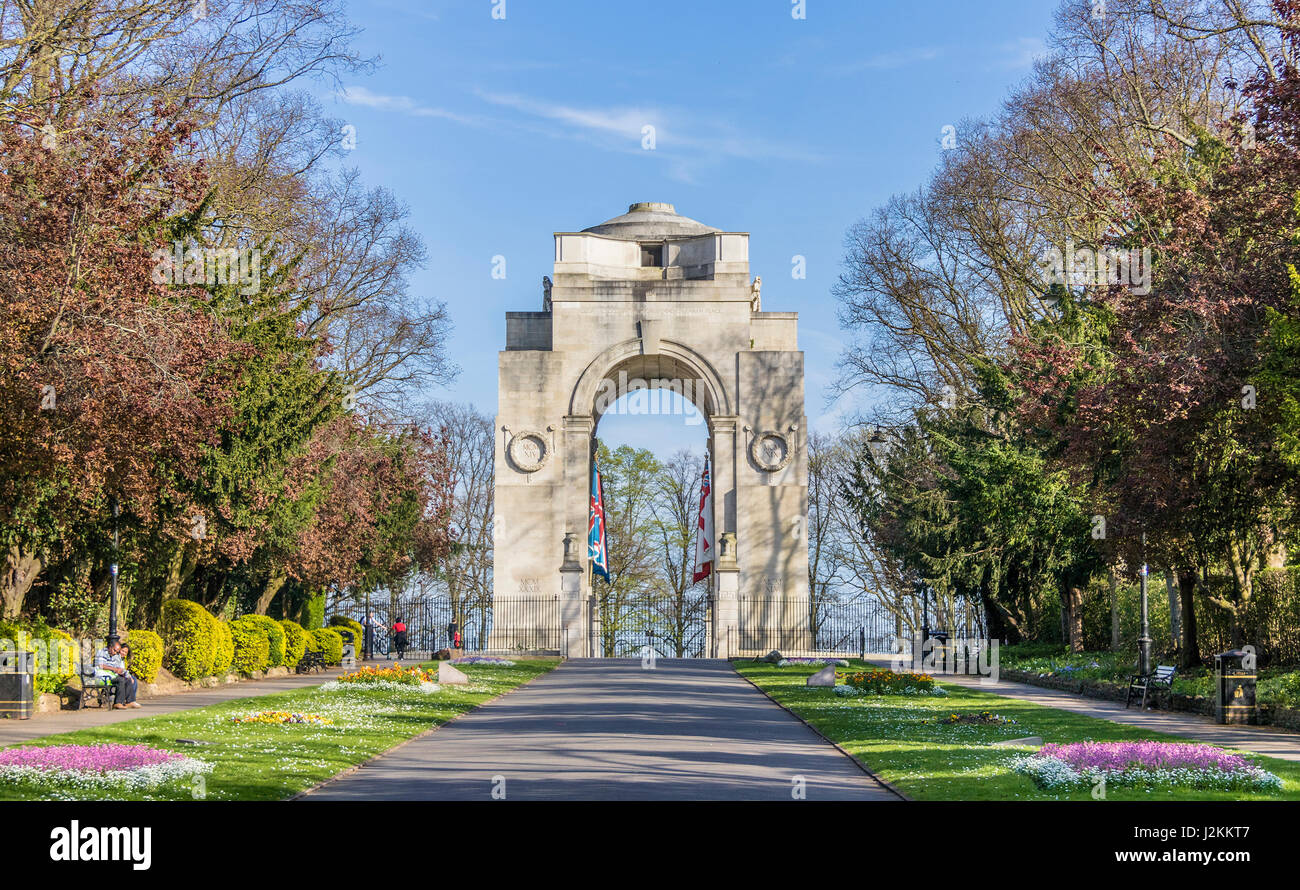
86 758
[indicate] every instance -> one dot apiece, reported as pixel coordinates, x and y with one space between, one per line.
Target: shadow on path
605 729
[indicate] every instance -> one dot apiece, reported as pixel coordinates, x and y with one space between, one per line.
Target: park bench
92 684
1162 676
311 661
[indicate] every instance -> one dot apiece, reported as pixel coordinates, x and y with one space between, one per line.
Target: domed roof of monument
650 220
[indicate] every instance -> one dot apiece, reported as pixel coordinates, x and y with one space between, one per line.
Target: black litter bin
349 646
1235 689
17 669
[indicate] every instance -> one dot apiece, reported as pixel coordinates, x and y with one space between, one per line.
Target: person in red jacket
399 638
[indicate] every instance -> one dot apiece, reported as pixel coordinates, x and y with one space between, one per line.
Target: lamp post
112 572
368 644
1144 641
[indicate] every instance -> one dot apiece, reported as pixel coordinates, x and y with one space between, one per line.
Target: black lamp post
112 571
925 614
368 642
1144 641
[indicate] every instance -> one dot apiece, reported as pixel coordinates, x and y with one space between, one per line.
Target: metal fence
671 626
807 628
514 624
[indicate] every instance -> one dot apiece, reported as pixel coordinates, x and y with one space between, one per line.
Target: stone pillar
578 430
722 429
726 599
573 642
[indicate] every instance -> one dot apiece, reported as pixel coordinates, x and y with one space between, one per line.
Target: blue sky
498 133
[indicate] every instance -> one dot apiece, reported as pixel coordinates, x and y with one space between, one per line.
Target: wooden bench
93 684
311 661
1163 676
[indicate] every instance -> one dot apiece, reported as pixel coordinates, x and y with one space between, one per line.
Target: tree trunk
1114 610
273 584
1171 590
20 572
1189 653
1243 588
1074 617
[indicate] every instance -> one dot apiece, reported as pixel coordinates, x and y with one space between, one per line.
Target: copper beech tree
106 375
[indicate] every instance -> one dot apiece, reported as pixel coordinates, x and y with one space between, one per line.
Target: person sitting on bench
110 664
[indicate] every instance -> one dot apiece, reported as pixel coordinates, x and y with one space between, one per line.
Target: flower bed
393 679
786 662
132 767
405 676
1143 764
983 718
483 659
886 682
275 718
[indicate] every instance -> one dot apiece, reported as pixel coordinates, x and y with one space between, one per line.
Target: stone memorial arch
650 299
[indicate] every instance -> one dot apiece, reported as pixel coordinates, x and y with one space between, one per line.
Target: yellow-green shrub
55 660
189 636
331 644
295 642
252 645
225 650
274 636
146 654
358 633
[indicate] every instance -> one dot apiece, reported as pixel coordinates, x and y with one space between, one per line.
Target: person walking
399 638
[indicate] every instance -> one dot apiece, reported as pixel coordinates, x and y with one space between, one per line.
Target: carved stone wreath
528 450
770 450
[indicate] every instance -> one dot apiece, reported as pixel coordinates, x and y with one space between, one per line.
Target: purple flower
1110 756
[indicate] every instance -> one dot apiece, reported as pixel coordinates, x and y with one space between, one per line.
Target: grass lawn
272 762
933 761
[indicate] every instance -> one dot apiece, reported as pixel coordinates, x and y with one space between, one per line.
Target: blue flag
597 548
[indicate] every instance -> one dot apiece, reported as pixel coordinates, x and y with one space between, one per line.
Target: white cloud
617 121
357 95
684 140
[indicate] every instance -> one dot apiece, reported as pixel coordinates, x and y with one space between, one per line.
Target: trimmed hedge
189 635
358 633
331 644
252 645
146 654
225 650
295 643
56 653
274 637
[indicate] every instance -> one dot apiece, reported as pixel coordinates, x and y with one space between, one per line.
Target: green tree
631 477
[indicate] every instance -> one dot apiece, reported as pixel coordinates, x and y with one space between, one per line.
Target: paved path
13 731
1280 743
607 730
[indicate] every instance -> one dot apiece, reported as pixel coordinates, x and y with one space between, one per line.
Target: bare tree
359 253
827 547
468 573
679 611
